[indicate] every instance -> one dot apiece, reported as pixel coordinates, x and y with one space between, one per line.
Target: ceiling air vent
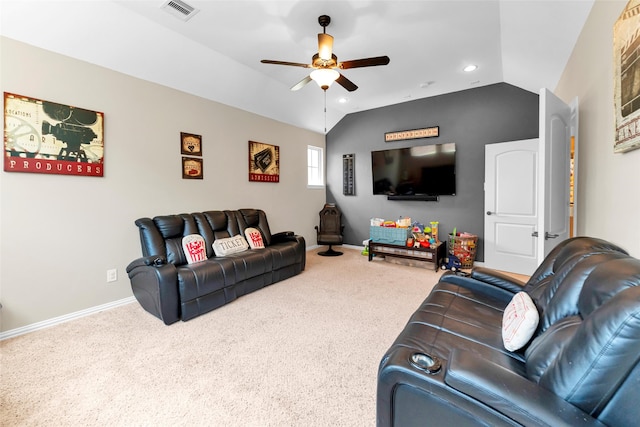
179 9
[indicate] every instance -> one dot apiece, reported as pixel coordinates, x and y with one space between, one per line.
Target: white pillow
254 237
230 245
194 248
519 321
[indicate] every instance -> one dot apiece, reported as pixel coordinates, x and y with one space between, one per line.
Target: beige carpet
303 352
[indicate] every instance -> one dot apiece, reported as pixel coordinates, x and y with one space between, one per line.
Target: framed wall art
264 162
190 144
626 75
191 168
51 138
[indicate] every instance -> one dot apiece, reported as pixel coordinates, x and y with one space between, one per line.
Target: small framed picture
191 168
190 144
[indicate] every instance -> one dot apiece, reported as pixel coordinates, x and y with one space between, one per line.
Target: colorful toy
452 263
434 229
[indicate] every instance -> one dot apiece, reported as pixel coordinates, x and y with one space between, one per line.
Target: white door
511 206
554 172
519 200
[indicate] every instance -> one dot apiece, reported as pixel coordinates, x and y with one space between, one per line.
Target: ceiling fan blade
293 64
365 62
346 83
302 83
325 46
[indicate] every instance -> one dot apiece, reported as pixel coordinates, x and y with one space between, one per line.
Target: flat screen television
415 172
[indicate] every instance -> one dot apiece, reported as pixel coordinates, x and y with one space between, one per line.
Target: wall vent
179 9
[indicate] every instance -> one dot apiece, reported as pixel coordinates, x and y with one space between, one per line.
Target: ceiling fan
325 63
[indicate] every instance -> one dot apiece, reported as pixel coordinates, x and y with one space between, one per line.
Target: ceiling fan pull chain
325 112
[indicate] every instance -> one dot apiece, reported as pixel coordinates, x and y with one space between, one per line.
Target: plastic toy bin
464 248
389 235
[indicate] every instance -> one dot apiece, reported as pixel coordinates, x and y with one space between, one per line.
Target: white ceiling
216 53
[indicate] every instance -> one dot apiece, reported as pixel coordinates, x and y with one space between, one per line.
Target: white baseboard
65 318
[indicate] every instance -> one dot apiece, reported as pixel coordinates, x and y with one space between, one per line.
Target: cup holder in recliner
426 363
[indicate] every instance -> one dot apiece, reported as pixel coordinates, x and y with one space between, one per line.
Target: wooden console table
434 255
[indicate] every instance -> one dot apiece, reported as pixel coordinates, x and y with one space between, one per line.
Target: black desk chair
330 230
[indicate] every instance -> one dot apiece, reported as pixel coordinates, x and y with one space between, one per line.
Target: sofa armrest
154 283
511 394
283 236
156 260
497 278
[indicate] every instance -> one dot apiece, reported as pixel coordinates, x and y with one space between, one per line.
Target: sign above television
412 134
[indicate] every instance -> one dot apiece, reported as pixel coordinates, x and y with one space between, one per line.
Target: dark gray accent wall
470 118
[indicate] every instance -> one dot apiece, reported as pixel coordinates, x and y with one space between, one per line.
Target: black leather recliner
580 368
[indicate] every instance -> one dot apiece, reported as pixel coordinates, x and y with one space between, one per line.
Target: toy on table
434 230
421 236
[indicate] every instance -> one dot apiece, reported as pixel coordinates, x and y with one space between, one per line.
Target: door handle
548 236
534 234
490 213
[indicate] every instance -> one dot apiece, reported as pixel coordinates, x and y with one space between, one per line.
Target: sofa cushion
447 309
214 225
254 237
254 218
163 236
230 245
544 349
519 321
194 248
601 355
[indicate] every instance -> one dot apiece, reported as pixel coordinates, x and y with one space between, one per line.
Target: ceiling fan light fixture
324 77
325 46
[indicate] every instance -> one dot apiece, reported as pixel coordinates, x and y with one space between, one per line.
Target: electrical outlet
112 275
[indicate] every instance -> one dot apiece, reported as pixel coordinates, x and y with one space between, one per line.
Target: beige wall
608 184
59 234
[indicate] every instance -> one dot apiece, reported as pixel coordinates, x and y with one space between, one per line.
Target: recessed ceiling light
470 68
343 100
424 85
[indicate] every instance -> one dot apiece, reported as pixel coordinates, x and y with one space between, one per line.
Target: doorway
529 190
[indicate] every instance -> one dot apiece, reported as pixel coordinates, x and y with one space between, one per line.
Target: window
315 170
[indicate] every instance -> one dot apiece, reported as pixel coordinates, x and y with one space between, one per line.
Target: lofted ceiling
216 53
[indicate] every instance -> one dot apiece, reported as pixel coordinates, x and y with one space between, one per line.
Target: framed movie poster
264 162
626 75
51 138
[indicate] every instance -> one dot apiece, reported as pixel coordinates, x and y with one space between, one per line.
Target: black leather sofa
581 367
170 288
